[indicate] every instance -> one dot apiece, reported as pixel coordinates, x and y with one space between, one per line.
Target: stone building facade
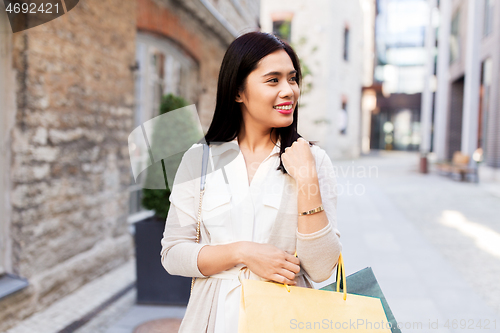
69 99
68 109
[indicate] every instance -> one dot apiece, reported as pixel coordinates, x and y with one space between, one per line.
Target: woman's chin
284 122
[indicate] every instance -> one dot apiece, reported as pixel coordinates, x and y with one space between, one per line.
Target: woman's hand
270 262
298 161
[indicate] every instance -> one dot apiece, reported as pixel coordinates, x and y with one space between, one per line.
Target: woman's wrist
213 259
240 251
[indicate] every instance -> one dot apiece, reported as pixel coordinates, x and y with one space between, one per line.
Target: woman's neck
256 141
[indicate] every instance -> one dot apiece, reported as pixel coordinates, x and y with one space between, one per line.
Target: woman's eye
275 80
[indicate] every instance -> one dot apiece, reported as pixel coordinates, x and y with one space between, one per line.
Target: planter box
154 284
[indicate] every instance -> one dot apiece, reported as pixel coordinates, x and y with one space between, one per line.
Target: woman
251 205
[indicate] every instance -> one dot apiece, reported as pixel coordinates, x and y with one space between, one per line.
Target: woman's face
271 92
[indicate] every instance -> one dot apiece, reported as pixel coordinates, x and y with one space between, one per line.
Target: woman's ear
238 98
239 94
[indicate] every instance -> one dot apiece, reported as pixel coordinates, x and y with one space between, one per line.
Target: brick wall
165 20
69 158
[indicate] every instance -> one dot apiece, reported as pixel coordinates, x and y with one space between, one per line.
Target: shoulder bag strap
204 164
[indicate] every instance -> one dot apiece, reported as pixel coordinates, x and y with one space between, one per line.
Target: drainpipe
426 110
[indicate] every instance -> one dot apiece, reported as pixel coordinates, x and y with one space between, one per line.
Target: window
455 37
283 29
343 117
488 17
484 103
162 68
4 65
9 283
346 43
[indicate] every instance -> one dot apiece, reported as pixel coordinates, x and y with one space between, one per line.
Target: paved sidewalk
423 237
59 316
432 242
139 314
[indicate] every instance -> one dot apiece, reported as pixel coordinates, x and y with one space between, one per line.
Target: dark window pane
283 29
346 44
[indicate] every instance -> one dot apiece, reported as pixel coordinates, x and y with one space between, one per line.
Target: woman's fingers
274 264
292 259
292 267
290 275
283 279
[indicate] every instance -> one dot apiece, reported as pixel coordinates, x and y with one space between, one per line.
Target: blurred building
399 74
467 108
71 91
328 37
368 95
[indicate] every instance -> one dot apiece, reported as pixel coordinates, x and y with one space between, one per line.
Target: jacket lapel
284 227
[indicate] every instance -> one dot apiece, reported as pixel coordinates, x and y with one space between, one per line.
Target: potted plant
154 284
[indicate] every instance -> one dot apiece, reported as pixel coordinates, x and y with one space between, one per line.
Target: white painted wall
322 23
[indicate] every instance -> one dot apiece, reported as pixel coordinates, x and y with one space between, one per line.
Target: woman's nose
286 90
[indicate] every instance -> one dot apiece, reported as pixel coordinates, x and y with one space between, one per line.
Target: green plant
301 47
157 199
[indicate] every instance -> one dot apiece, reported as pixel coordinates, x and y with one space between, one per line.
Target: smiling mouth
283 107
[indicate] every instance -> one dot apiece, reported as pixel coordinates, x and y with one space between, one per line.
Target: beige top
318 252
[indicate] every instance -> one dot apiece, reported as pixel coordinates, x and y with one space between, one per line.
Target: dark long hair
240 59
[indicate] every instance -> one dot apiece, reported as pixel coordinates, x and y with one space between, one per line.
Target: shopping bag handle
241 269
340 267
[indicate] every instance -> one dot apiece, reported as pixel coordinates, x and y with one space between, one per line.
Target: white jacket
318 252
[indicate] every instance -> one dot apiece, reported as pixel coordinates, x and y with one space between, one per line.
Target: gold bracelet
312 211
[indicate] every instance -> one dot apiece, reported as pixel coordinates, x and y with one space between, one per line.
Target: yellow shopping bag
270 307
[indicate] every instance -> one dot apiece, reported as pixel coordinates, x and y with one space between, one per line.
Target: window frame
455 36
5 93
489 17
277 26
9 283
153 79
